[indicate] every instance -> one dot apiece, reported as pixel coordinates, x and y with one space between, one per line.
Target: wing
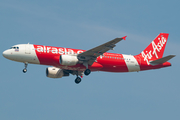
91 55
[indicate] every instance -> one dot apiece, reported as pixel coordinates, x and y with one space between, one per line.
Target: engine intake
68 60
53 72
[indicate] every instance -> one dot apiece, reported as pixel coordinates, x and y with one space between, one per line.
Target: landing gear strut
25 69
87 71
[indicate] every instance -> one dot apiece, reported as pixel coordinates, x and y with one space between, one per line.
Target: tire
87 71
24 70
77 80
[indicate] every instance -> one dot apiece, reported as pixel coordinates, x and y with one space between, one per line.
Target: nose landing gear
25 69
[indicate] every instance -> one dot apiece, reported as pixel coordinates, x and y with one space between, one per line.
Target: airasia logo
156 48
55 50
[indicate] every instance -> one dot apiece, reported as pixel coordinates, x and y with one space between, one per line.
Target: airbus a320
66 61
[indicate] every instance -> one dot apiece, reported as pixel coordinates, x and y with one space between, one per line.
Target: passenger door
27 49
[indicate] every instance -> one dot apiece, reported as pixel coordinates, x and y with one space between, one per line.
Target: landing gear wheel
77 80
24 70
87 71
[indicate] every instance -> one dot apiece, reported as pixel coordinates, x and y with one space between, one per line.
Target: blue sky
80 24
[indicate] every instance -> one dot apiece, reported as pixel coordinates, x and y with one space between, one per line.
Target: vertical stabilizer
156 48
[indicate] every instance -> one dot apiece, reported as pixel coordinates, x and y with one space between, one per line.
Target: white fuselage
22 53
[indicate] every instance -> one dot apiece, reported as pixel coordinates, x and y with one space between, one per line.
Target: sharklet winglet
124 37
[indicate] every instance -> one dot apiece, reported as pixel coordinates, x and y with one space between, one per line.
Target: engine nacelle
53 72
68 60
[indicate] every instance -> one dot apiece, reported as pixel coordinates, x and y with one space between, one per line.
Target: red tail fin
156 48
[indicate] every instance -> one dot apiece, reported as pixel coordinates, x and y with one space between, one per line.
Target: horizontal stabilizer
161 60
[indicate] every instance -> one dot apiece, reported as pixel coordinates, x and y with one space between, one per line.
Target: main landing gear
25 69
87 72
79 75
77 80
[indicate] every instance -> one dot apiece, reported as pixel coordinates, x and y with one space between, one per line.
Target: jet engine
53 72
68 60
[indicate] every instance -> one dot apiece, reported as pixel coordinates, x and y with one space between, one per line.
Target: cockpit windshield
14 47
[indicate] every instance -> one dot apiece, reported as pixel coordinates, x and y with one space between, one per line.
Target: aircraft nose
6 53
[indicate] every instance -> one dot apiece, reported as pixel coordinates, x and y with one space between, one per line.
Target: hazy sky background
147 95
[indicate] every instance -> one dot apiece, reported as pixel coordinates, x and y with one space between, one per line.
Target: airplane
66 61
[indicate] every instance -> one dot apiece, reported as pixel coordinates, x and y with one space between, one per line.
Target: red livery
78 62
